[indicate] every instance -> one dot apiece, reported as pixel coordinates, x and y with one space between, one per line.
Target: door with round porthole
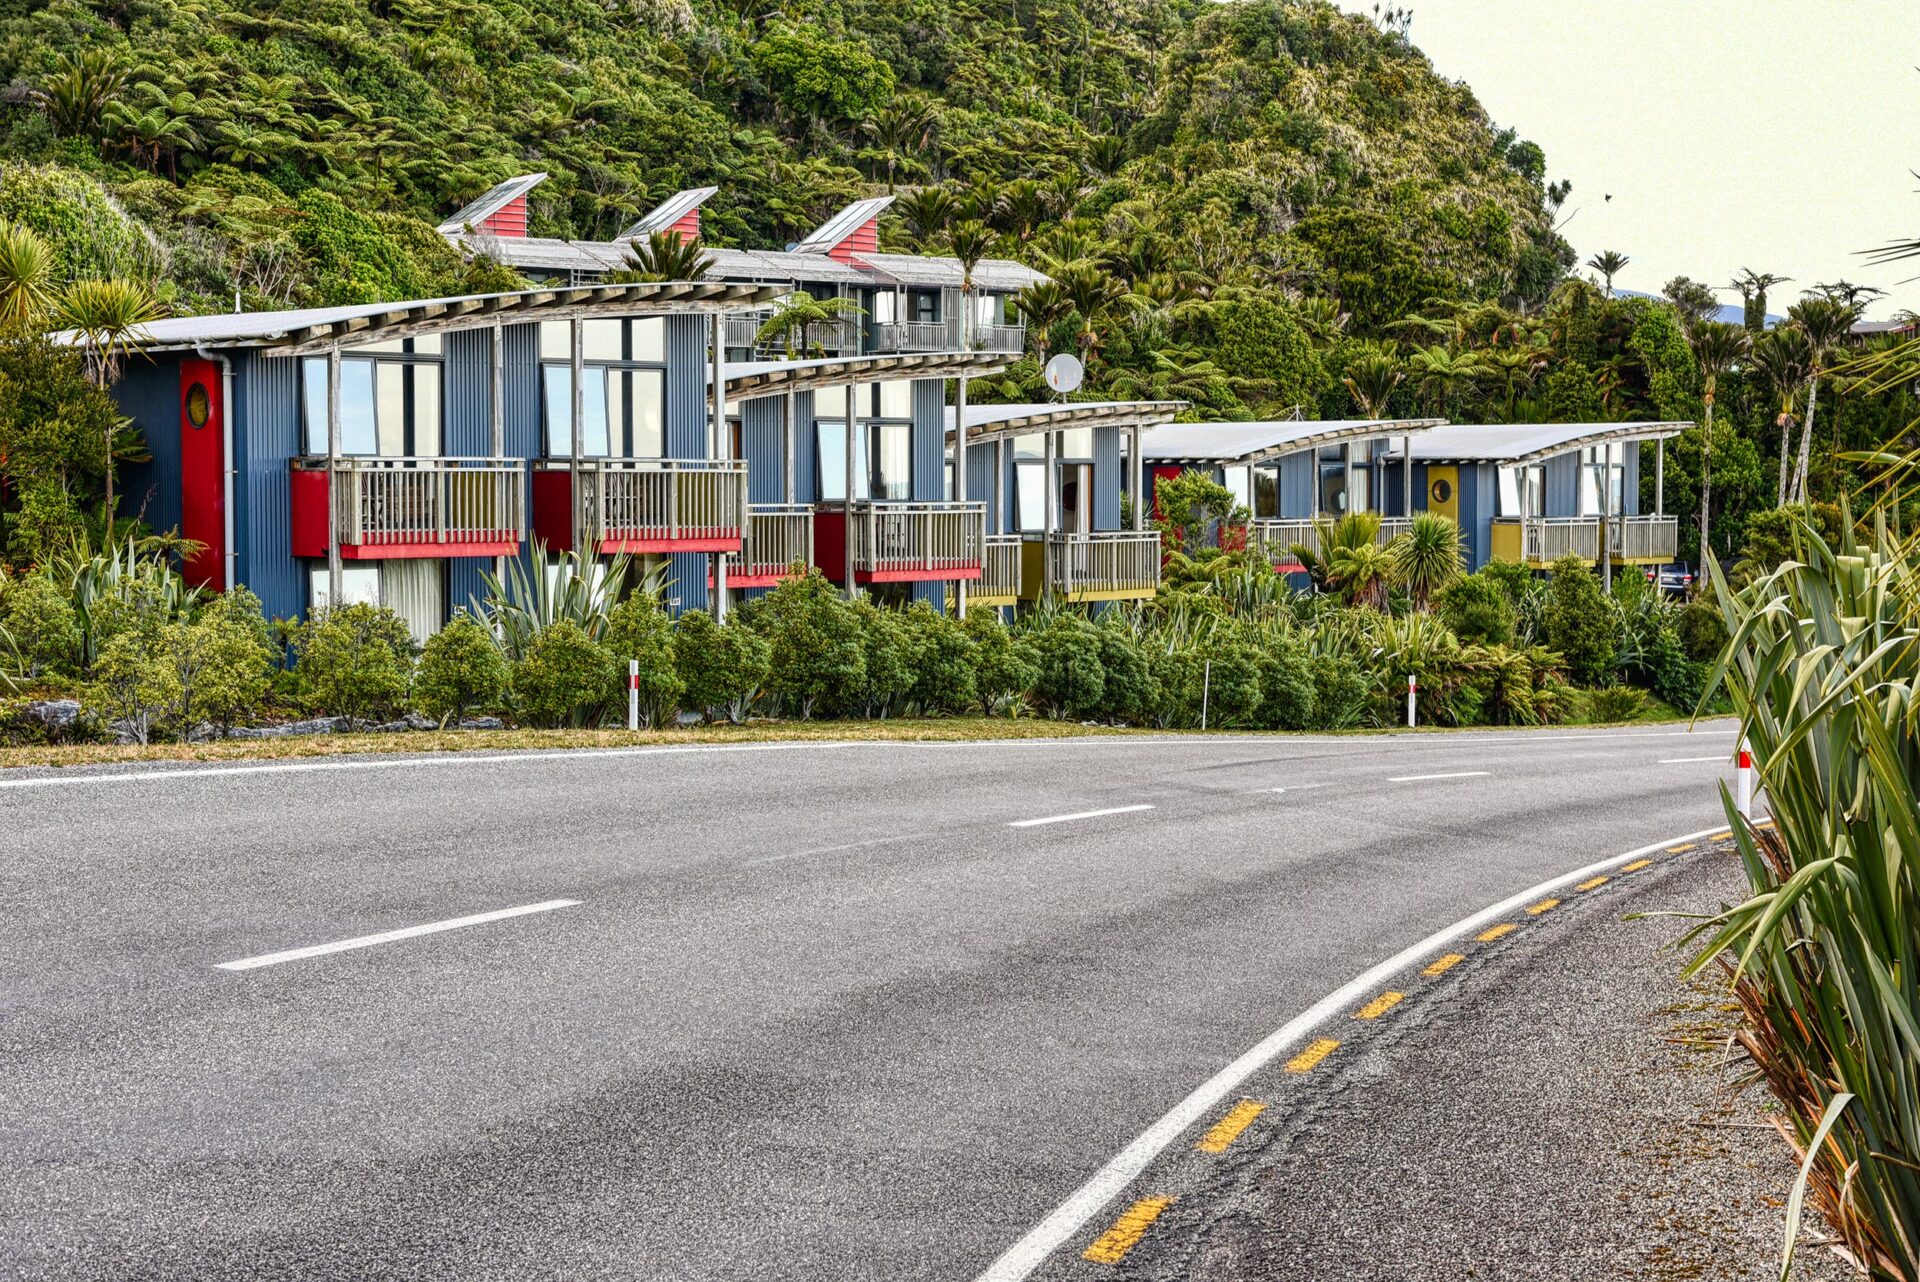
203 472
1443 492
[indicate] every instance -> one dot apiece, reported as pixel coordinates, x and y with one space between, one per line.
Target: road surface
771 1012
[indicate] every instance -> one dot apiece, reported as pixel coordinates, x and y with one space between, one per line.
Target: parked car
1674 580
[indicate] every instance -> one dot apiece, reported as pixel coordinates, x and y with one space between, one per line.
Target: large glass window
1030 495
1598 465
358 584
623 386
1240 484
1076 443
390 402
1266 492
830 452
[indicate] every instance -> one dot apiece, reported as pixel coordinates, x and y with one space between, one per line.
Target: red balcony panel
553 508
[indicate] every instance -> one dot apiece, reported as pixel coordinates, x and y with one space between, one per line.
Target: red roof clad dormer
853 231
678 213
502 211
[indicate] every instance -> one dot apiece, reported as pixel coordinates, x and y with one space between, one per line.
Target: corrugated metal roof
842 225
1517 443
750 380
1238 443
320 327
985 422
668 212
490 203
996 275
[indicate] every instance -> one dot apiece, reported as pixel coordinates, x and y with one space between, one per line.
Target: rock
482 723
55 714
319 725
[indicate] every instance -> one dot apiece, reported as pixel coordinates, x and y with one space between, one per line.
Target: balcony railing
900 541
912 336
1000 338
1545 539
777 535
425 506
1644 538
1277 536
1000 568
743 330
1107 563
663 505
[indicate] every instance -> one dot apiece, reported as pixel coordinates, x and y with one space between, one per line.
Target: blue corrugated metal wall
1296 486
1106 478
149 394
760 440
1563 485
266 440
468 433
930 462
1479 493
687 432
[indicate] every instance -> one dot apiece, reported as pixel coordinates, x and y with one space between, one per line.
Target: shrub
1513 578
815 643
129 688
563 679
461 669
1128 684
1578 622
941 662
39 632
356 661
1339 692
1004 666
885 657
1070 681
1176 671
1478 610
639 631
217 668
1615 703
1702 632
1230 683
1286 687
721 666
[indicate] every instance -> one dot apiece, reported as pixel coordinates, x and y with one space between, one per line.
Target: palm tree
1362 573
1826 323
1371 380
1095 295
1717 347
1427 557
1339 540
75 96
969 242
1609 264
902 130
1443 371
1753 287
1780 357
26 274
110 316
1516 368
1042 305
1323 320
664 255
1694 301
927 211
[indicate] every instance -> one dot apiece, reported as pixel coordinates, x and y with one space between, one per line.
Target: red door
203 468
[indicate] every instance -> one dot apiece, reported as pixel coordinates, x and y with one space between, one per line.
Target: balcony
410 507
1000 573
743 330
642 506
902 542
778 534
944 336
1000 338
1541 540
1648 540
1277 536
1107 565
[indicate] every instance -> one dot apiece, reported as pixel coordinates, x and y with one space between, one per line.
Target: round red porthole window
1442 491
199 405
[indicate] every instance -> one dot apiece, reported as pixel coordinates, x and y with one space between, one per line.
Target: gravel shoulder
1559 1105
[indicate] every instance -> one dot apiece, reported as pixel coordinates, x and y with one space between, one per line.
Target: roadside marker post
1413 691
633 694
1206 688
1743 782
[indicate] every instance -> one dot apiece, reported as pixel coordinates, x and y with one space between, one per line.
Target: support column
852 419
721 447
1000 486
577 418
1660 477
960 461
787 444
497 418
1136 478
335 572
1050 494
1346 477
1606 517
1406 478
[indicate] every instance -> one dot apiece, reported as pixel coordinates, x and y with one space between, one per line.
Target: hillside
299 152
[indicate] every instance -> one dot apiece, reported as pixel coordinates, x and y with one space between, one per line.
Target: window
1333 488
390 403
924 306
358 583
1075 443
593 411
891 452
895 399
1361 500
1029 492
1266 492
1240 484
1507 503
1595 462
830 452
886 307
623 402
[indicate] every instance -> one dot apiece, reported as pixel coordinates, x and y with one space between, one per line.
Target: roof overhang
762 379
1334 434
1004 422
1602 434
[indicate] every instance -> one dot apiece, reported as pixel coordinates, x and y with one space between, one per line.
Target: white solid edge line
1046 1237
1079 814
1684 761
1457 774
458 757
390 936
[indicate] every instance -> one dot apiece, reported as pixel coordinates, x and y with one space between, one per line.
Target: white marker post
1413 689
1743 782
633 694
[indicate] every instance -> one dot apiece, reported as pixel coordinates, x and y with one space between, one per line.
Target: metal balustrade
1545 539
917 538
662 500
416 502
1000 338
1644 538
777 535
1276 538
1106 562
1000 571
744 331
913 336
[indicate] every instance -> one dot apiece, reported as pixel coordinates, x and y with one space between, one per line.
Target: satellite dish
1064 373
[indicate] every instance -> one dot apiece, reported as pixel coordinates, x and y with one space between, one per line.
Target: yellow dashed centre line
1443 965
1379 1006
1316 1051
1592 883
1227 1129
1545 905
1721 836
1492 933
1680 850
1112 1246
1637 865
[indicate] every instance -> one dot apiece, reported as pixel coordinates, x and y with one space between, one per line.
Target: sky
1779 135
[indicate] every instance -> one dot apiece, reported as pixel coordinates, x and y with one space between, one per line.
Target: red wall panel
203 469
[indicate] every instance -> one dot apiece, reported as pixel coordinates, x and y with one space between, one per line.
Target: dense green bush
565 678
356 662
461 671
815 643
1286 687
886 657
1230 682
217 668
1127 689
1703 633
1609 704
721 666
1578 622
1479 610
1070 681
639 631
39 633
128 687
1339 692
941 663
1005 666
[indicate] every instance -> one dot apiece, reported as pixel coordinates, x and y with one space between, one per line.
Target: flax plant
1823 667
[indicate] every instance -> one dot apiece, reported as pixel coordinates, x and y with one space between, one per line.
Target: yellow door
1443 492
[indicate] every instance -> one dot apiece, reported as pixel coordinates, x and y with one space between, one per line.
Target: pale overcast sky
1773 134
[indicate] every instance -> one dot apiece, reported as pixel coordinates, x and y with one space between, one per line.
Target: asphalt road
816 1011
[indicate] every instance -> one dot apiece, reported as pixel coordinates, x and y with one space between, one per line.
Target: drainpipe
336 573
960 463
1136 473
497 419
230 560
1406 480
576 417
